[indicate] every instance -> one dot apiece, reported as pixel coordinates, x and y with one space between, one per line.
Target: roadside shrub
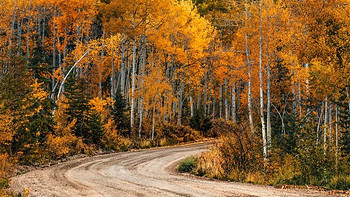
340 182
288 171
187 165
210 164
241 150
236 158
5 166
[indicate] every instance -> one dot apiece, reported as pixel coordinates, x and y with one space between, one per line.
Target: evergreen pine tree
119 113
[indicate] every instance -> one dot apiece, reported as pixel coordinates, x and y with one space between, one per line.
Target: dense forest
270 77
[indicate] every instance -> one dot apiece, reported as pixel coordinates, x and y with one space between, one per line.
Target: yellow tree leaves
7 129
73 20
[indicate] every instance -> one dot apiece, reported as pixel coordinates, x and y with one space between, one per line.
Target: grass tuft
187 165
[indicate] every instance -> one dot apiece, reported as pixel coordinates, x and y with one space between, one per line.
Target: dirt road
139 173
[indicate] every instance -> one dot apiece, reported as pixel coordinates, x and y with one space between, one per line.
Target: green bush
340 182
187 165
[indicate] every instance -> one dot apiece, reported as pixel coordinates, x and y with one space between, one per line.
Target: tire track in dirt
138 173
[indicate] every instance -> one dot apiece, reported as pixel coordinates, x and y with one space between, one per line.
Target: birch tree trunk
262 116
226 101
268 107
220 102
28 31
205 89
53 59
250 110
325 124
234 119
142 74
319 125
122 69
192 108
153 121
336 136
307 92
210 90
330 124
214 101
179 117
132 107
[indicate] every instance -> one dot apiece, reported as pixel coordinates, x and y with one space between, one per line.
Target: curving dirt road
139 173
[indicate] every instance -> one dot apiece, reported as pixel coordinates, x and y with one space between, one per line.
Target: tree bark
226 101
234 118
220 102
132 106
262 117
325 125
250 110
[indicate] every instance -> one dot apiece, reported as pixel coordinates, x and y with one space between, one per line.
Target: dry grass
210 164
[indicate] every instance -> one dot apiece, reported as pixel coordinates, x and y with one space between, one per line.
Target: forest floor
138 173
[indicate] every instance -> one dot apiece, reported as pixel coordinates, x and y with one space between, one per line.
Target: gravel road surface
137 173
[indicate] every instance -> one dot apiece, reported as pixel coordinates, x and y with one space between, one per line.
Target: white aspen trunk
214 107
210 90
262 117
205 88
53 59
325 124
142 73
307 92
319 126
153 121
132 107
199 99
179 117
192 108
336 135
238 100
348 94
12 32
293 92
268 107
113 89
307 79
226 102
299 100
19 33
220 102
250 110
234 118
28 31
122 69
330 124
60 90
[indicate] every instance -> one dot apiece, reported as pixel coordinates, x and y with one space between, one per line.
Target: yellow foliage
6 128
5 165
112 140
61 145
